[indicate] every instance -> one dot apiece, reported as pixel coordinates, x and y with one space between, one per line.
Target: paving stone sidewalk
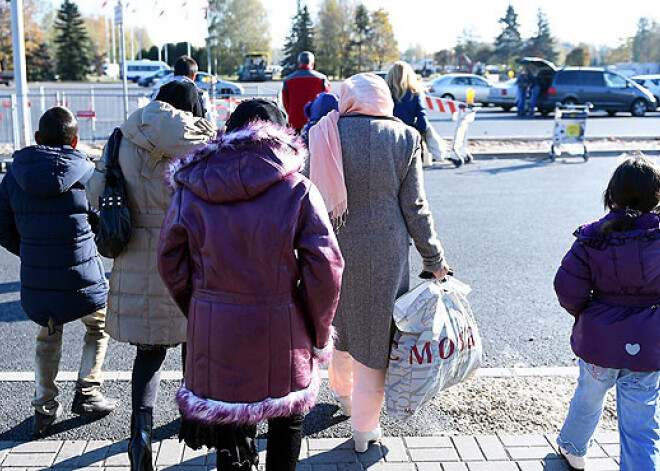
442 453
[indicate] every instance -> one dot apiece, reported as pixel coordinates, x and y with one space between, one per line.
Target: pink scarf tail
326 166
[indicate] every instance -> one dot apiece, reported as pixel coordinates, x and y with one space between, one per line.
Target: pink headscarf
363 94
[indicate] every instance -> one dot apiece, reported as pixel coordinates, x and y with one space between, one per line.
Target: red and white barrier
442 105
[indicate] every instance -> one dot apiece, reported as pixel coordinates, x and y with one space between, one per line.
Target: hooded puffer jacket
44 219
611 284
140 310
248 252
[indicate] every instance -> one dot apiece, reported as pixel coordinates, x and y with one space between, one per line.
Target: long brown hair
634 189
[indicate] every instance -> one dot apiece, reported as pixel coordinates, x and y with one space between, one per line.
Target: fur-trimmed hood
240 165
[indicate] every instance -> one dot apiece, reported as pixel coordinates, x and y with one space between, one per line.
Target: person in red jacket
300 88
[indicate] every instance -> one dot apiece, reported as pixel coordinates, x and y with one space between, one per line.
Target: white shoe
345 403
576 462
363 439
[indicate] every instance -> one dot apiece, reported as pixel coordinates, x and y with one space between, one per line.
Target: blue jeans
536 90
520 101
638 411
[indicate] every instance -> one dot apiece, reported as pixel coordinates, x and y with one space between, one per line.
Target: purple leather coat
611 284
248 253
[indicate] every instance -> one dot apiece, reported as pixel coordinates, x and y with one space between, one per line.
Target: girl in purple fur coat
610 282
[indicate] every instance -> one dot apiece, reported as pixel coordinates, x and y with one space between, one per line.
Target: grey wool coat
387 205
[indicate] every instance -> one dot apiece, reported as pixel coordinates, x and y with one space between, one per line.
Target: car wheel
611 113
448 96
638 108
507 108
569 102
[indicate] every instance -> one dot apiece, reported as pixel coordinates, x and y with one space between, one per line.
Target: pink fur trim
212 412
289 147
324 355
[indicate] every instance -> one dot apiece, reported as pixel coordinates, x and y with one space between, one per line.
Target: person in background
409 107
300 88
140 310
316 109
44 219
522 83
248 252
610 282
367 166
185 69
534 91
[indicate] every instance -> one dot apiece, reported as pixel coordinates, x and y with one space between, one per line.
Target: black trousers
236 445
145 382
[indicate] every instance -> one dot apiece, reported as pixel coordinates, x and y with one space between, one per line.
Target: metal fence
98 110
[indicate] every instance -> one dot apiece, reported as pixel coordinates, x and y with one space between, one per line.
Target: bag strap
112 149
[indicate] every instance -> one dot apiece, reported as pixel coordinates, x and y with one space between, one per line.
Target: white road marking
67 376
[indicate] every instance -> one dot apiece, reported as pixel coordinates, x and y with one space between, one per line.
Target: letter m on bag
426 352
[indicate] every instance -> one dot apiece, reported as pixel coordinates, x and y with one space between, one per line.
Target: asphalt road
505 225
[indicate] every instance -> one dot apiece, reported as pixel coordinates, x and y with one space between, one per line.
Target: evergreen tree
72 43
509 43
40 64
543 41
301 39
645 41
361 31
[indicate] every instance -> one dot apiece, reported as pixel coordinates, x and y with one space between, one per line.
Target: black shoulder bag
114 228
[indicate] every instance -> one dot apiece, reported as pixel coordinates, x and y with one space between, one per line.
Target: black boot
139 446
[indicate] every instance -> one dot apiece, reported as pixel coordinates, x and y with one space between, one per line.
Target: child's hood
43 171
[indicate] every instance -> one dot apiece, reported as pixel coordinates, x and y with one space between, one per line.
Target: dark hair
634 189
183 95
185 65
58 127
305 58
258 109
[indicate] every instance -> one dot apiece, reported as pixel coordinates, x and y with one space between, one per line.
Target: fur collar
283 141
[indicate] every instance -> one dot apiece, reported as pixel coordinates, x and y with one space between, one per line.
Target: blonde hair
402 78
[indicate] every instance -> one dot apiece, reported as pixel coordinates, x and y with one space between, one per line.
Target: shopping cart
570 123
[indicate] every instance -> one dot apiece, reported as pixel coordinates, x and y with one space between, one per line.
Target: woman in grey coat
367 165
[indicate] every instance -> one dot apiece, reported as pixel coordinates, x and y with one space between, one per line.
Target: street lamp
20 73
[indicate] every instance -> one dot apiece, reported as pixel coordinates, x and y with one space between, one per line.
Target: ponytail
623 223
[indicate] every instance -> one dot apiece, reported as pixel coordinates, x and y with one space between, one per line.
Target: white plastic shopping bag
436 345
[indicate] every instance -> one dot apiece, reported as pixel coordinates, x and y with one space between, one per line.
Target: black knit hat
253 110
183 95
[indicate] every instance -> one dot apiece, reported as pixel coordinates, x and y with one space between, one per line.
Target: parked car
504 95
651 83
455 87
604 89
222 88
151 80
135 70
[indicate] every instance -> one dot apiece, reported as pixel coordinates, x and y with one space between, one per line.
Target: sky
435 24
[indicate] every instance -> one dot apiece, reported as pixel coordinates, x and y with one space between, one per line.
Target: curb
175 375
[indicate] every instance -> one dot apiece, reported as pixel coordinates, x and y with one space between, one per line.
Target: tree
484 54
72 43
645 45
467 43
361 32
333 37
35 16
300 39
381 40
579 56
39 64
443 57
621 53
237 27
508 43
543 40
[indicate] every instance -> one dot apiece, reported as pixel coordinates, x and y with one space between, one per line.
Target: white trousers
366 387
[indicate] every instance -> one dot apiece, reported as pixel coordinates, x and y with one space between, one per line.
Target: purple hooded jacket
611 284
248 252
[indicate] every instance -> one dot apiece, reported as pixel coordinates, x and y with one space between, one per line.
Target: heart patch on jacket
633 349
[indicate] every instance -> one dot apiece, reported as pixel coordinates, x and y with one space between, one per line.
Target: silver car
504 95
455 87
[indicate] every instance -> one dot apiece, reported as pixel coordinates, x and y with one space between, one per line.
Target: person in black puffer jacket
44 219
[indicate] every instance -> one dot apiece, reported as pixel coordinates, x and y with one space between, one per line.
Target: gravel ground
480 406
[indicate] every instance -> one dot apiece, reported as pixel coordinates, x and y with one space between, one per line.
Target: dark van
606 90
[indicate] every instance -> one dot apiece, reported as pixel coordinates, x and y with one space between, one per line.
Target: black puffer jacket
44 219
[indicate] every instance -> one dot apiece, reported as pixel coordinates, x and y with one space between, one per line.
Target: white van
135 70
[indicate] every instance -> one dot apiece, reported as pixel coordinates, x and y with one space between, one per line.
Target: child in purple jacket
610 282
